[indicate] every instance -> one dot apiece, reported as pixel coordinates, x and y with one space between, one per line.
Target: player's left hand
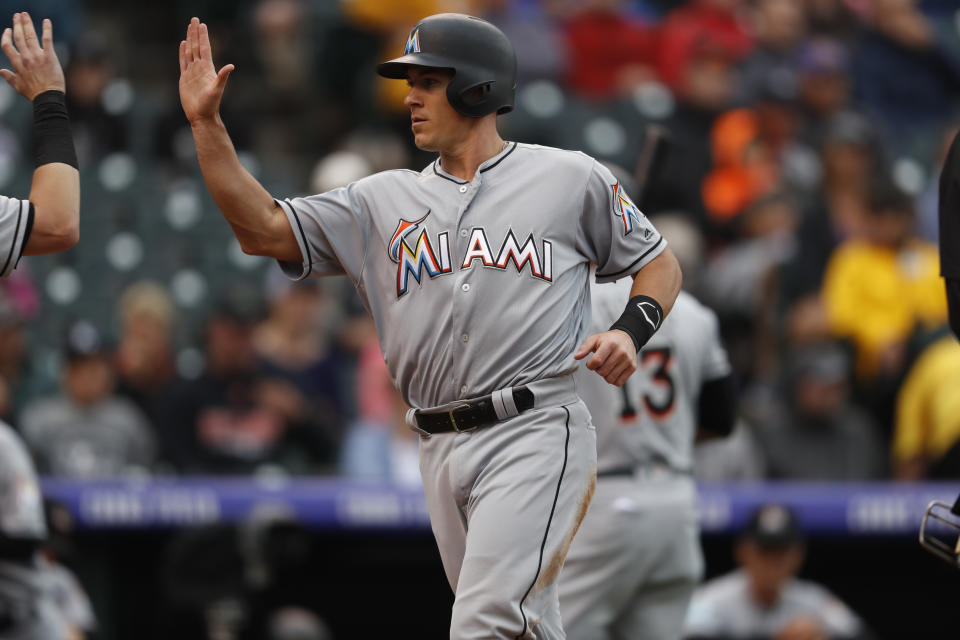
615 357
35 68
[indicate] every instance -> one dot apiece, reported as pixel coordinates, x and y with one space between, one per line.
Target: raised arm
55 192
257 221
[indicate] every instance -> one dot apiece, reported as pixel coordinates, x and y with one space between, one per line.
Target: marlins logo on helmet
413 42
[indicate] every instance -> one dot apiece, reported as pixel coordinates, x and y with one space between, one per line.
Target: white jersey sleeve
616 236
16 221
330 231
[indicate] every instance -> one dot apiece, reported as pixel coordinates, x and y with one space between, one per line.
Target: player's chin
424 143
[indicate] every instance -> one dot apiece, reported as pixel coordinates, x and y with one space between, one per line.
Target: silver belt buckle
453 420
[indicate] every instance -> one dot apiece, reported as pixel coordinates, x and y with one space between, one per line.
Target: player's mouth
415 120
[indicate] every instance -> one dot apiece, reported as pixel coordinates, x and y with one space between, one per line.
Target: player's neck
463 160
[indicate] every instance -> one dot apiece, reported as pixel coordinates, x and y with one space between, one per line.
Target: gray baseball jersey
25 611
723 608
636 560
16 221
476 287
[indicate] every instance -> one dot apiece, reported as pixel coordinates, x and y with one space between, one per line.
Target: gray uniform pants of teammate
635 562
505 502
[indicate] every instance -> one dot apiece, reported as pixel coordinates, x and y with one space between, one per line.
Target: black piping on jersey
434 165
502 158
437 162
303 236
13 243
632 264
26 233
553 508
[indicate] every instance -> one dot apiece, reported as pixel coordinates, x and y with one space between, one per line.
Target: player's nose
413 98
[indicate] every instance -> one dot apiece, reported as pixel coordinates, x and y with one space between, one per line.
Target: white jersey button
463 233
465 286
465 337
463 188
463 390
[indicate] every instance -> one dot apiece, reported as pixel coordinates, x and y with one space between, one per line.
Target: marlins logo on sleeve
16 221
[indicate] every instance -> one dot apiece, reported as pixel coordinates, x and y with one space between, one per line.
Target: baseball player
475 272
635 562
45 223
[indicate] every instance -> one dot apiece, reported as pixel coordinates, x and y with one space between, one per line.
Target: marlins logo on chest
433 257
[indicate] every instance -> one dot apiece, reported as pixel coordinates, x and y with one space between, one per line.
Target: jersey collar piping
494 161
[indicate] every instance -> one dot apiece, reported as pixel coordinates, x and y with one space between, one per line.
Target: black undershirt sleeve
718 407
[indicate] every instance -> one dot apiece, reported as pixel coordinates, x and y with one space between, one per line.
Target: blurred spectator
379 445
708 91
693 30
295 345
906 73
823 85
143 359
833 18
736 458
608 52
763 598
232 420
837 210
88 431
536 38
778 26
96 131
816 433
879 289
927 429
738 282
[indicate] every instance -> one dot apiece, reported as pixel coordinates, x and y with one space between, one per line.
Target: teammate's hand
201 87
615 358
35 68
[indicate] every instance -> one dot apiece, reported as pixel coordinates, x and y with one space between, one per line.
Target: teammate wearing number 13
635 562
475 271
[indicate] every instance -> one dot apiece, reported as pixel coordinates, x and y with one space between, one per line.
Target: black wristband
640 319
52 140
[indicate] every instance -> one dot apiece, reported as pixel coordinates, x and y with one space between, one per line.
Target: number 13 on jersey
657 389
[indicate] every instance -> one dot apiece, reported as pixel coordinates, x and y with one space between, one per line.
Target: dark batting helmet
479 54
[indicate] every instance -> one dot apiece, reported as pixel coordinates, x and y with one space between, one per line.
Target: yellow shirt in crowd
928 406
876 295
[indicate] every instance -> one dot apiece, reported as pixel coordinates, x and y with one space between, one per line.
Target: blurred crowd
798 189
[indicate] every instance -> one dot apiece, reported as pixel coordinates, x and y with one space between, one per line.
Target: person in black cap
763 598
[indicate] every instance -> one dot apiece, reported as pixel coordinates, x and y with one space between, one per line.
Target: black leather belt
469 414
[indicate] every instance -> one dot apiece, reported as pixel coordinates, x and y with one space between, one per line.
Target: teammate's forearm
55 194
259 224
660 279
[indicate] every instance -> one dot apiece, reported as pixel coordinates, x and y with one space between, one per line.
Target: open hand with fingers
201 86
615 356
35 67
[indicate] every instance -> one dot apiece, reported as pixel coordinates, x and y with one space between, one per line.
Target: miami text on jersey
413 262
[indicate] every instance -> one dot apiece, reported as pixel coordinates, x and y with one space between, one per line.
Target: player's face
435 124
